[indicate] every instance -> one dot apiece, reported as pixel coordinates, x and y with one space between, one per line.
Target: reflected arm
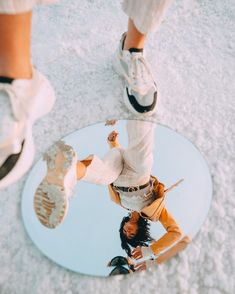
112 140
173 233
179 246
169 244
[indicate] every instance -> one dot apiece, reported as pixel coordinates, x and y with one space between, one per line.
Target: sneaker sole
45 203
50 199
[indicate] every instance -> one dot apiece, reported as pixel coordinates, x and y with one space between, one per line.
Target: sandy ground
192 57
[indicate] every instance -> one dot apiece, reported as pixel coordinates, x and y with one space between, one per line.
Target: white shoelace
140 73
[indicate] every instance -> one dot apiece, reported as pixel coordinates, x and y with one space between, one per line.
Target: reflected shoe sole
51 197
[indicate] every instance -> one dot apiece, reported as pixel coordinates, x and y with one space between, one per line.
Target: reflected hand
137 253
140 267
110 122
130 261
112 139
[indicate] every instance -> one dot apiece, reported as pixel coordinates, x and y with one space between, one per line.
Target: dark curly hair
141 238
119 270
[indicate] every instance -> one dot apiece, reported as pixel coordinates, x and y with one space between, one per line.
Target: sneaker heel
50 205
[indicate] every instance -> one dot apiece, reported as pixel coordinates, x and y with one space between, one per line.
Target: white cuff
146 252
93 170
150 263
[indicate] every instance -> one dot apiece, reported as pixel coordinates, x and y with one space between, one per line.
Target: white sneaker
22 103
140 92
52 195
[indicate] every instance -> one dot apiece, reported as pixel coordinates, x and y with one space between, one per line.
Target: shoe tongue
136 50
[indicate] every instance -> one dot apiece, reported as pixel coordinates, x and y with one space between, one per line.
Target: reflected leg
138 157
101 171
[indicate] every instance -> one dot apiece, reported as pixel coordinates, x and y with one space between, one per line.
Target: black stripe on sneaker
131 50
9 163
140 108
6 80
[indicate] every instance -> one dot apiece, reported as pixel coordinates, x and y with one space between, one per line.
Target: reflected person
123 168
126 172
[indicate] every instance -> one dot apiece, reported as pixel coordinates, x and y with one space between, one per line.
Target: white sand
192 57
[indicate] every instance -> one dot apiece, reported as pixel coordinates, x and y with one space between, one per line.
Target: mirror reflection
144 169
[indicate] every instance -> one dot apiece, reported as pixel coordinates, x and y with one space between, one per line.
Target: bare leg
134 38
83 164
82 167
15 30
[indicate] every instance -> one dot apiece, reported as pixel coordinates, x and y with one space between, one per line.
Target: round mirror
116 198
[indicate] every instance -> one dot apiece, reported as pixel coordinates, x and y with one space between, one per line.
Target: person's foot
22 103
140 92
52 195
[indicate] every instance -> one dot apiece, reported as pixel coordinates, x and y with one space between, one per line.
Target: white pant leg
106 170
147 15
138 157
126 167
20 6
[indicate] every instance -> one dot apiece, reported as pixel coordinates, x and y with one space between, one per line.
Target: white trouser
126 167
146 14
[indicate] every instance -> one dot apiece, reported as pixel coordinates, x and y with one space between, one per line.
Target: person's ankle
128 44
16 72
81 168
